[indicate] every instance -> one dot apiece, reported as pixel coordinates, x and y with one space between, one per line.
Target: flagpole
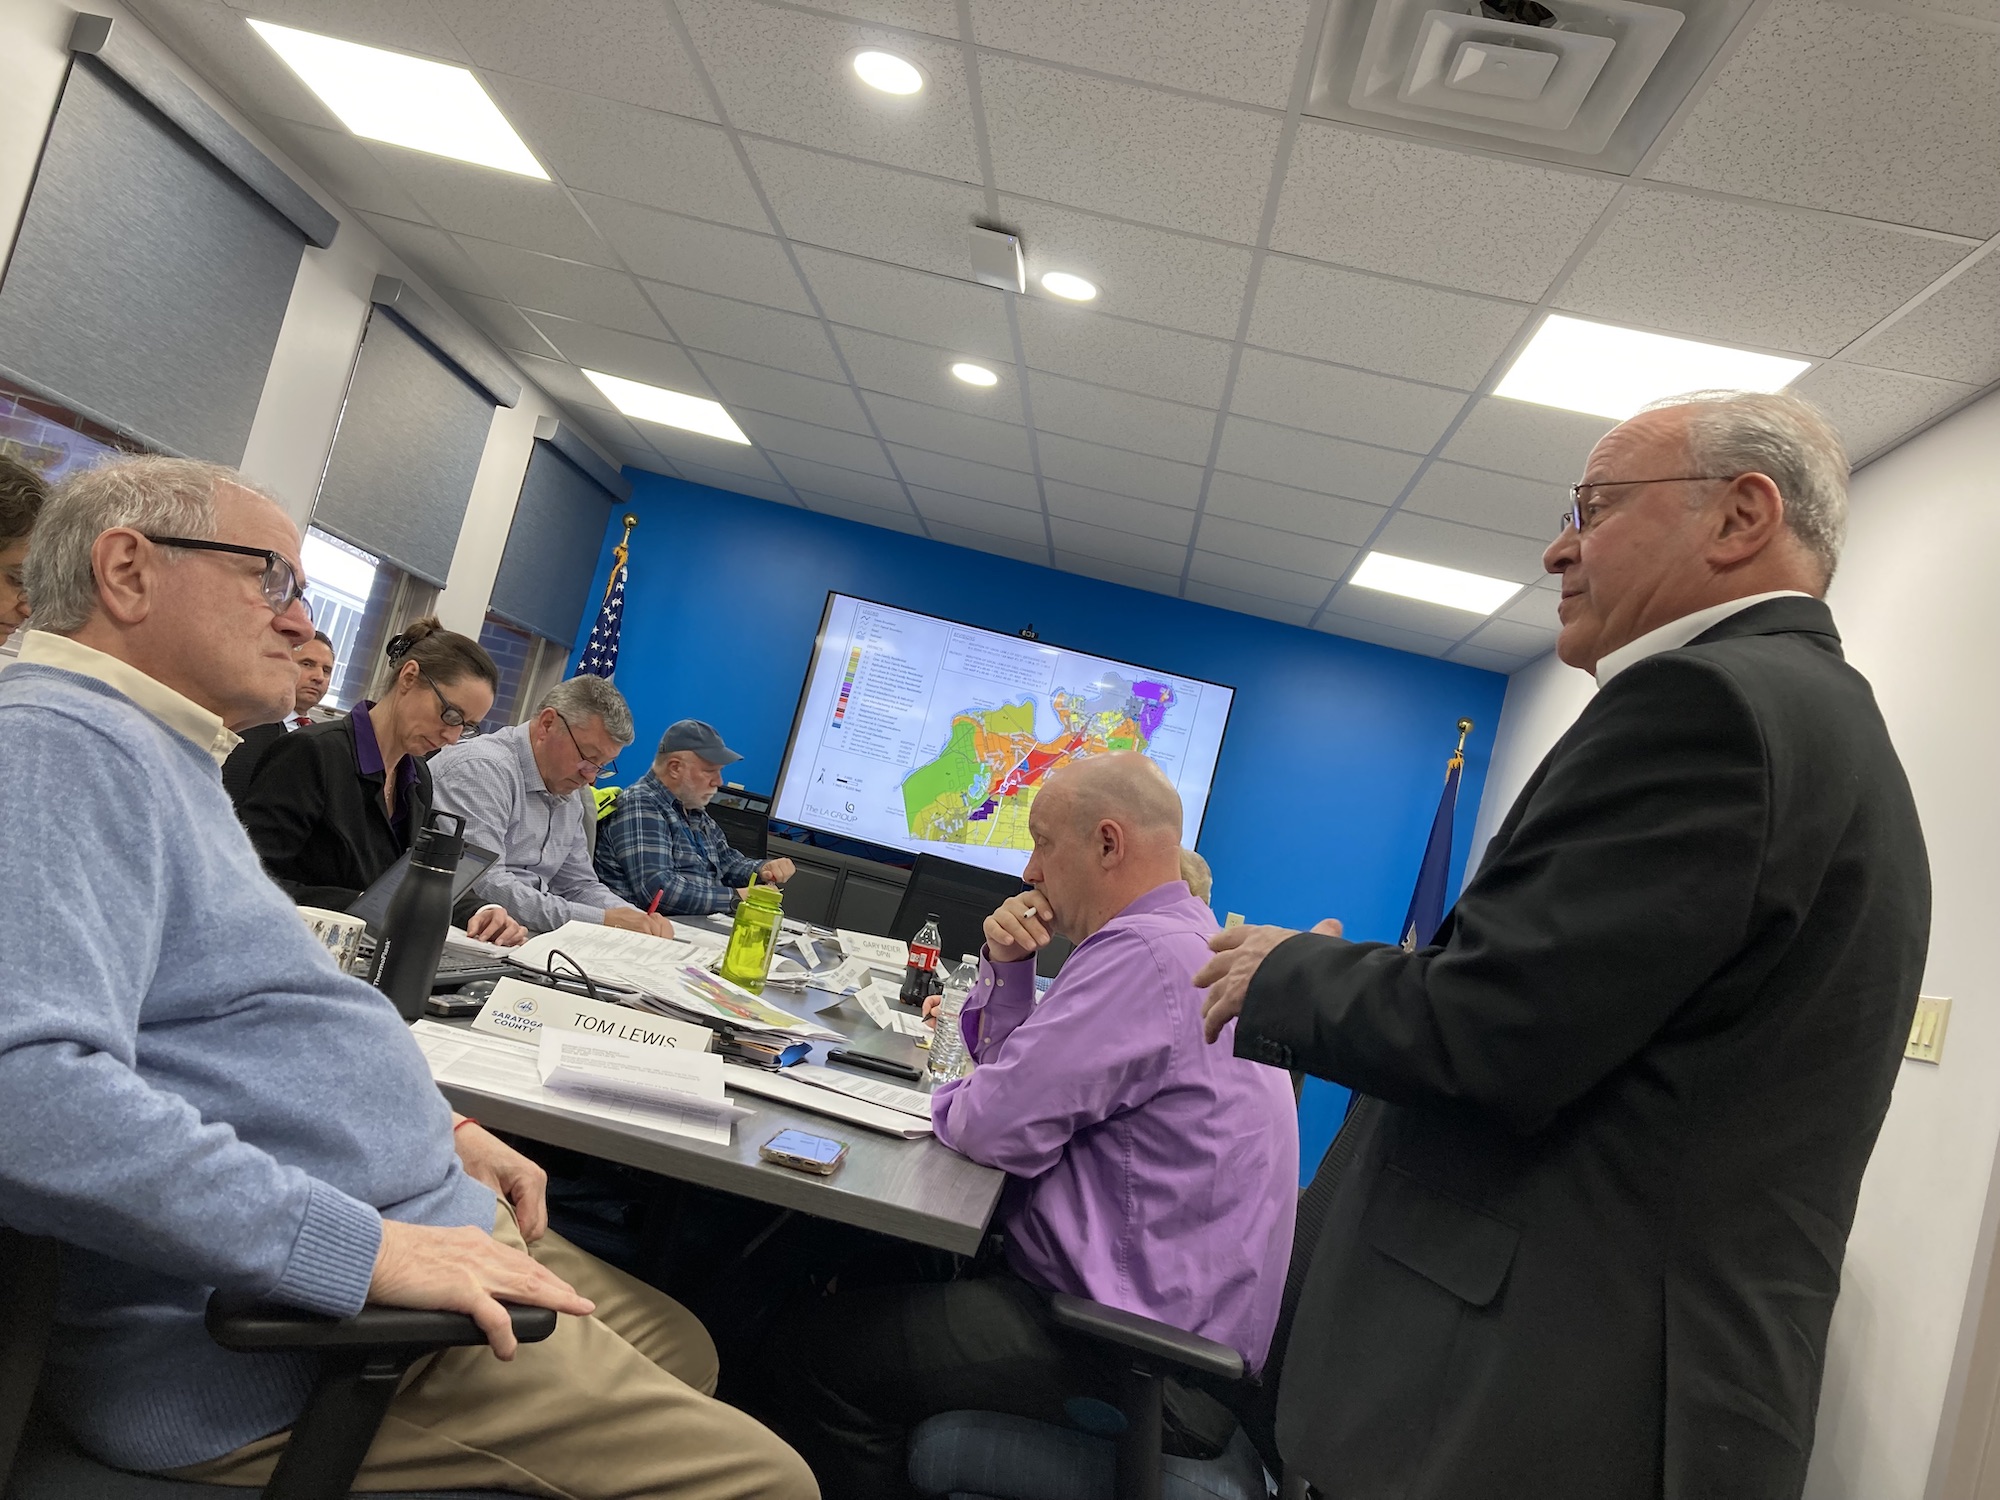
1465 727
619 554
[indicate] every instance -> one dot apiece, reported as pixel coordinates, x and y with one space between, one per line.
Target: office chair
973 1455
745 820
363 1359
961 896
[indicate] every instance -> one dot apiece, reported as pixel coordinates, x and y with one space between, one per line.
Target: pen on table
654 909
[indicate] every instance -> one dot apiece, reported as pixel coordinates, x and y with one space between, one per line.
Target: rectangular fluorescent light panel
403 100
1612 372
1473 592
650 403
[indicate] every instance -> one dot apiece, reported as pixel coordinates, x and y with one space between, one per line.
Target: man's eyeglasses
452 716
595 768
282 588
1584 507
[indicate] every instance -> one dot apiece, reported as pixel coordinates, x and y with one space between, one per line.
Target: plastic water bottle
949 1059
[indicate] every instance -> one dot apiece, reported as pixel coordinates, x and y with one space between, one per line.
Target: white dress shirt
1677 633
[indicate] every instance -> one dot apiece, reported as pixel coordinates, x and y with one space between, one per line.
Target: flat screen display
922 734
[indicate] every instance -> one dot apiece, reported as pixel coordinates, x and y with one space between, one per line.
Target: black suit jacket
241 767
317 822
1590 1250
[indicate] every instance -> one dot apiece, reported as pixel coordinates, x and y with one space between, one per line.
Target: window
352 596
51 439
528 665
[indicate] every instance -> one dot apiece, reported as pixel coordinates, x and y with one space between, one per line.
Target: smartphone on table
817 1154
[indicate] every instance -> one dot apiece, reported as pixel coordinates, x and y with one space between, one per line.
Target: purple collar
368 757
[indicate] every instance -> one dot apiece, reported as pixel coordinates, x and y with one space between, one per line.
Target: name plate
520 1010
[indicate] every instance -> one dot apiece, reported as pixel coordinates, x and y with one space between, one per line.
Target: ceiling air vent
1589 82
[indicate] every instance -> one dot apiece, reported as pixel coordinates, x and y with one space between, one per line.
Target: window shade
149 281
558 532
411 433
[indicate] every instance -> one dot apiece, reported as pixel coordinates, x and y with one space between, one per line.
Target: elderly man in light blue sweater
198 1098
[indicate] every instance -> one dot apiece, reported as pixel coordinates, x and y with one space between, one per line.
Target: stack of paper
787 1089
685 1083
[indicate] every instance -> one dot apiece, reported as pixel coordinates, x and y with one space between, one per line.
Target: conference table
915 1190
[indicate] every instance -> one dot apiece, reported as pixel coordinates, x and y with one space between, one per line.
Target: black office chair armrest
1157 1341
251 1327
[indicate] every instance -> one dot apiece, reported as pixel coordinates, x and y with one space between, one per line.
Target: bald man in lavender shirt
1149 1171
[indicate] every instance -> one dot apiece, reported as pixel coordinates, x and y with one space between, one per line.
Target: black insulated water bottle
419 916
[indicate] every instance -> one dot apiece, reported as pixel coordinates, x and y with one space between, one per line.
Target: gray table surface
915 1190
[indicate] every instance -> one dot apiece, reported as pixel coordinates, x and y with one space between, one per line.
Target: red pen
654 909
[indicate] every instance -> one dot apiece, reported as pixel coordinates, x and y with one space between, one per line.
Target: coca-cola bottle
924 949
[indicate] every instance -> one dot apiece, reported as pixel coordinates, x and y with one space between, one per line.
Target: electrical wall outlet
1926 1042
1234 919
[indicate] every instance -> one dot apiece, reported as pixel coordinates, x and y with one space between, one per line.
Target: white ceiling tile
1468 548
593 348
743 330
1255 578
564 287
978 438
1480 497
1377 634
694 253
564 382
1306 460
1126 150
826 445
1489 661
489 205
603 146
867 515
1324 312
785 394
345 167
846 484
1433 214
1339 402
1128 356
1750 273
1954 334
1514 638
1139 272
1261 503
917 372
1537 607
1874 409
1235 49
1098 414
1273 548
397 24
1117 546
869 210
1123 473
1434 620
980 541
431 254
785 73
940 311
1147 518
983 516
1978 10
722 479
636 456
938 17
1261 605
504 324
619 49
1518 437
1874 113
219 41
961 476
1110 571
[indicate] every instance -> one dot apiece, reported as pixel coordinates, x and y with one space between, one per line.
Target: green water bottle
753 938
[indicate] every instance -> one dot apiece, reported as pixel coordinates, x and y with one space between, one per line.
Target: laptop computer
372 905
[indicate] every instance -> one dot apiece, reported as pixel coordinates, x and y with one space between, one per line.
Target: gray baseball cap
702 739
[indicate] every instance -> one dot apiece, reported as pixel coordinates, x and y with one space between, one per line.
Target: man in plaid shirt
661 840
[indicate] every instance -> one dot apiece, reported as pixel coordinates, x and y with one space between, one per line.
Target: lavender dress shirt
1152 1172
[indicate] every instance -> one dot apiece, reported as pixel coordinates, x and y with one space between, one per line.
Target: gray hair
168 496
591 697
1787 439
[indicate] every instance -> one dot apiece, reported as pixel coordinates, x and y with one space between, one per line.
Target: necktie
303 722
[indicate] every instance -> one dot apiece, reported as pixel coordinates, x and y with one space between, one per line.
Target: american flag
600 656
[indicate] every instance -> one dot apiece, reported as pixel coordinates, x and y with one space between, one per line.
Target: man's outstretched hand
1238 953
466 1271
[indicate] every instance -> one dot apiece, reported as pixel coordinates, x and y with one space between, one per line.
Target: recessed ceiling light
973 374
403 100
1062 284
650 403
888 72
1472 592
1612 372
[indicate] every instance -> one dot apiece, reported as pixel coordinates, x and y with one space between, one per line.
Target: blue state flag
1427 900
600 652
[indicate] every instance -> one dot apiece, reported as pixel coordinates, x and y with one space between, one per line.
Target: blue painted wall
1329 775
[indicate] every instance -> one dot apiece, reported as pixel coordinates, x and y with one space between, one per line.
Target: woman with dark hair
332 806
21 495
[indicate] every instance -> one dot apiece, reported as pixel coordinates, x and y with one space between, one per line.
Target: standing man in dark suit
315 659
1591 1242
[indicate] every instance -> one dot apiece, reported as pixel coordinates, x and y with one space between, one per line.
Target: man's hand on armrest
466 1271
633 920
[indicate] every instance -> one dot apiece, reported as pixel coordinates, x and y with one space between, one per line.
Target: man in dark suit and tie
1592 1238
315 659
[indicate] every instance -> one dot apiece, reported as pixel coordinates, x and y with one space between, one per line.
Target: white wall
1914 606
294 426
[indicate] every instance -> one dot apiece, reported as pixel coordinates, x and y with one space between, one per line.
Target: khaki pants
615 1406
